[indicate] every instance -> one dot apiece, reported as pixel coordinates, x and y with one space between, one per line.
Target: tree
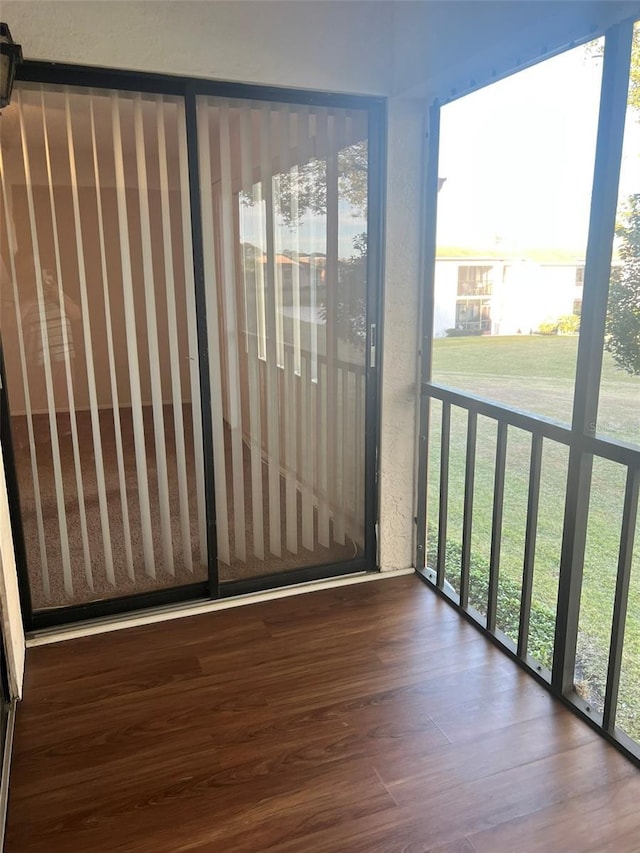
634 82
623 312
302 191
596 50
351 298
308 184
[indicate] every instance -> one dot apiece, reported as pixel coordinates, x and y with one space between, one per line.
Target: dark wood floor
365 718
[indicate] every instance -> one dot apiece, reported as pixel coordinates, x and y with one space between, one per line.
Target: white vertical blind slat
321 457
149 281
66 342
253 375
307 454
273 408
172 324
339 521
334 434
325 386
291 504
44 564
359 455
192 338
289 390
295 270
51 406
124 504
206 184
295 273
307 386
315 239
279 119
231 330
91 376
322 450
261 272
132 343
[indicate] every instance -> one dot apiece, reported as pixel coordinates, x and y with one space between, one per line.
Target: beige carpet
124 585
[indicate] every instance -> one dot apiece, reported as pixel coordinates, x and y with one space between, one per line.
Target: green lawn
536 374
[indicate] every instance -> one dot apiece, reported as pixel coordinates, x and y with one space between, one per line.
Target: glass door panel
284 212
98 322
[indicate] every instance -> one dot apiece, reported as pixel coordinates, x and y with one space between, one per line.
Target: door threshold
105 624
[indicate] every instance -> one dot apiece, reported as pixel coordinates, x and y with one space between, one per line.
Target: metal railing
449 569
582 449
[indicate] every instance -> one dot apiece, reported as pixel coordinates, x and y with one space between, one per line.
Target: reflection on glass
516 166
284 207
96 282
619 407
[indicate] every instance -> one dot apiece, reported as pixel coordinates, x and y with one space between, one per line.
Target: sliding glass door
187 322
284 212
99 330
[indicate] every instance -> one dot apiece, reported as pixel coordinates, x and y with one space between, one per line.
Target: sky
311 236
518 158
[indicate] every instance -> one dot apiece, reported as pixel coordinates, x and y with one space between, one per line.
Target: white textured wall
339 46
401 301
9 598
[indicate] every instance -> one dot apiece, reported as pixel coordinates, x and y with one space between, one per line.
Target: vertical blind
98 315
283 198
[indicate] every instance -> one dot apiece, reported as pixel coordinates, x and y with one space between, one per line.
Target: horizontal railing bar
496 525
612 449
533 501
513 417
625 557
469 478
445 434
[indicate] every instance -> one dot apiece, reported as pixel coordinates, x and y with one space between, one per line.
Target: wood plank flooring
365 718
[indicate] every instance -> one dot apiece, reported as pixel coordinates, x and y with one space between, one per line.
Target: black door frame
189 89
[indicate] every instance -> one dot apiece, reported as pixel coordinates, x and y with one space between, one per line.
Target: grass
536 374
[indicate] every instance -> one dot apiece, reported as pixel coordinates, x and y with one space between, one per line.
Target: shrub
569 324
462 333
